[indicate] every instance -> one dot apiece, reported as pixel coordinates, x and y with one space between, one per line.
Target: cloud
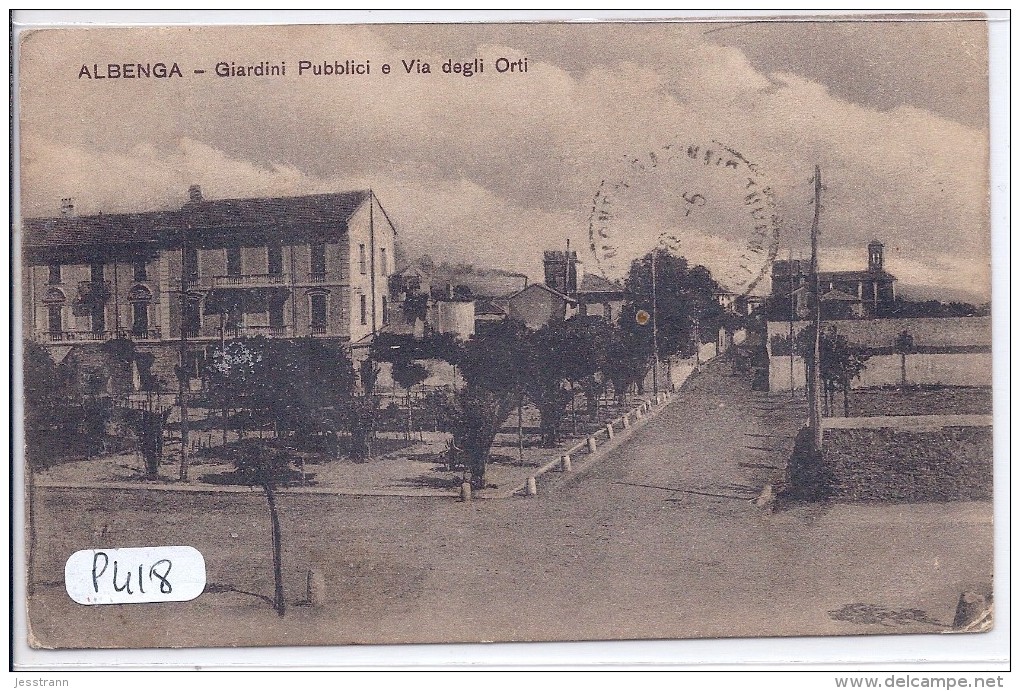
495 168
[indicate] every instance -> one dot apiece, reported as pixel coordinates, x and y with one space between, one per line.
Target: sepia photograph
505 332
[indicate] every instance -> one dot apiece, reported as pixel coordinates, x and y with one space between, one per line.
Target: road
658 538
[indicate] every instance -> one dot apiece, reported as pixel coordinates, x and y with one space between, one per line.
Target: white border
987 651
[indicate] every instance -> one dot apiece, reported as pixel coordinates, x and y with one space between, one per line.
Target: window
383 264
364 310
97 270
318 265
385 314
276 314
235 317
54 320
139 318
194 364
191 263
234 261
54 273
362 261
139 270
318 311
274 259
192 317
98 318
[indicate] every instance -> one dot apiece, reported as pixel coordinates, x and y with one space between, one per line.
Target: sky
494 168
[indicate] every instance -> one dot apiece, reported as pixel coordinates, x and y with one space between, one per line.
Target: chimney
67 206
195 194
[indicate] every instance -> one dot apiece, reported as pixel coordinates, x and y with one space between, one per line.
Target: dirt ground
415 466
658 539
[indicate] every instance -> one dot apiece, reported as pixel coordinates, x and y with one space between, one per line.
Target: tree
626 361
548 364
47 405
313 381
492 365
407 373
840 362
239 377
586 339
904 345
362 411
685 303
260 466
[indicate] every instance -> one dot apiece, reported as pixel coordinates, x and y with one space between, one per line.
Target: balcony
318 330
85 336
261 330
79 336
249 281
145 334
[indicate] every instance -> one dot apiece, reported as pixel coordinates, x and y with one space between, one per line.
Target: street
658 538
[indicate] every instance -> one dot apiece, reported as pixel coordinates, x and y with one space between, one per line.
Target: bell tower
875 260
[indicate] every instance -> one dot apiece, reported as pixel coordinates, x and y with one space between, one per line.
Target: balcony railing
248 280
145 334
318 329
256 330
317 277
88 336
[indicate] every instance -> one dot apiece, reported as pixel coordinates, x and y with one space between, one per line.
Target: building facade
844 294
595 296
214 270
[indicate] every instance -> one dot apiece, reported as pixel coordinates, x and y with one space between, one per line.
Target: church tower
875 256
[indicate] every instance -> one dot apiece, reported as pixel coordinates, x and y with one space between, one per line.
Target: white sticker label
134 574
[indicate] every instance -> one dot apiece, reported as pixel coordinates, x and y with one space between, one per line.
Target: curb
594 450
334 491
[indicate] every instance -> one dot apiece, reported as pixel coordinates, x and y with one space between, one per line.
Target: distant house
595 295
488 312
538 305
599 297
844 294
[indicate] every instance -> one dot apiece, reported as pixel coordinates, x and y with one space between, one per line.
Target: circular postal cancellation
706 202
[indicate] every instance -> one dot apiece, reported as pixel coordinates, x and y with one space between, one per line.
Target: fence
564 463
673 374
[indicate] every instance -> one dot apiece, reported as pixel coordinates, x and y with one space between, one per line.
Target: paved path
659 539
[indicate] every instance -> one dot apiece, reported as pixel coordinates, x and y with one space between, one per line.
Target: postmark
675 196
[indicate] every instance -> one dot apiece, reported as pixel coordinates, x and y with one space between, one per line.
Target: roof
156 226
593 283
855 275
547 289
487 307
839 296
489 284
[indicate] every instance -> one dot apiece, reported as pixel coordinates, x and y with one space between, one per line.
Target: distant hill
919 293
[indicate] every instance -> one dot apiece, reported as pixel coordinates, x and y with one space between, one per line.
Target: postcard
549 331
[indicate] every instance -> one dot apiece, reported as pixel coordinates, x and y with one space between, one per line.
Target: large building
283 267
845 294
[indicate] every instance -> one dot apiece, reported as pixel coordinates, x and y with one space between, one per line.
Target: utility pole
793 309
655 331
815 375
182 393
